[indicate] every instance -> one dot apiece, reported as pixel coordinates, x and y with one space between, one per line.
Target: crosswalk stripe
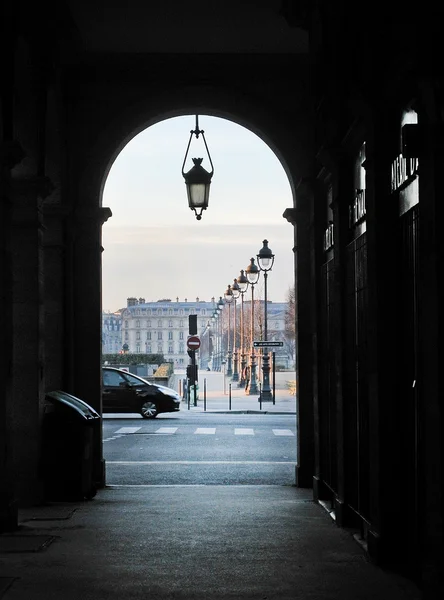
166 430
243 431
128 430
206 430
282 432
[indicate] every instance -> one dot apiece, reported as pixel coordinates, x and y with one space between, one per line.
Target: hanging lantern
198 179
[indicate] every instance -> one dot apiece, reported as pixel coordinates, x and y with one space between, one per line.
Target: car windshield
134 380
116 379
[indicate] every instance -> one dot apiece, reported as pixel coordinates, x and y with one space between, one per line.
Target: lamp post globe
265 260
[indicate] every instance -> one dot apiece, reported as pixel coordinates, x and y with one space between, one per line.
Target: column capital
291 214
97 215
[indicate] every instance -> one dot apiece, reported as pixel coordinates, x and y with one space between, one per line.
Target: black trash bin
68 432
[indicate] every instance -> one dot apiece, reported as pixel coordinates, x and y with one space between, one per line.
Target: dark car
125 392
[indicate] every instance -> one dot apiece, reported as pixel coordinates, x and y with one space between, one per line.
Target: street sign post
263 344
193 342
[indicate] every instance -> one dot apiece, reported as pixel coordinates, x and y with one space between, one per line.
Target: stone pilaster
84 325
27 319
10 155
300 219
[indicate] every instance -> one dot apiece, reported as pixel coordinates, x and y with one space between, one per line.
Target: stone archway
96 145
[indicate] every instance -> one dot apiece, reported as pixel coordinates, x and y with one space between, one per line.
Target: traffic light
192 324
192 372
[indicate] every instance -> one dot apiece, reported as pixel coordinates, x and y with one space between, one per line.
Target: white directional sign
263 344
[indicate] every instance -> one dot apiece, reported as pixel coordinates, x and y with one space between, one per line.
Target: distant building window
126 323
181 323
180 335
159 335
138 348
181 311
181 348
148 348
170 335
159 348
181 361
148 335
138 335
159 311
170 349
159 323
170 312
148 323
170 323
137 323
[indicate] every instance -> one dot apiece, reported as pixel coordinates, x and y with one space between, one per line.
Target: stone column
27 321
10 155
84 323
300 218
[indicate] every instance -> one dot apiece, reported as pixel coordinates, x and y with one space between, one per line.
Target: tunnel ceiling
176 26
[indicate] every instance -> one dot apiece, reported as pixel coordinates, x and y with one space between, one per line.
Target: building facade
111 332
162 327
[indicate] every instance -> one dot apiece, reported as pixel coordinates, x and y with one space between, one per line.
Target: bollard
205 394
229 397
260 396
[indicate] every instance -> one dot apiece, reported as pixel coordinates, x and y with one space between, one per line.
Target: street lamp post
253 273
236 293
265 260
242 282
220 306
229 299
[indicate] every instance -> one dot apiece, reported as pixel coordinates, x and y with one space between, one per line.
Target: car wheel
148 410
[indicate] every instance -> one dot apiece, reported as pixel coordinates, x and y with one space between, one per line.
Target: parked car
125 392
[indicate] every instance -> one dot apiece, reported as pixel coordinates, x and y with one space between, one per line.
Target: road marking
282 432
128 430
243 431
166 430
199 462
206 430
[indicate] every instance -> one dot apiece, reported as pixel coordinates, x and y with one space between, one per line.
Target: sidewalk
219 394
188 543
240 402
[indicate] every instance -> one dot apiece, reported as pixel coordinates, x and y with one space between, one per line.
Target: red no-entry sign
193 342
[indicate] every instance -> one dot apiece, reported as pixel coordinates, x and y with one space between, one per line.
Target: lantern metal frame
197 175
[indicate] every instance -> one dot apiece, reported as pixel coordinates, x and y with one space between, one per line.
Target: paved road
200 449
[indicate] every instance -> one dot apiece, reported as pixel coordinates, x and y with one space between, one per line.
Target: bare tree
290 323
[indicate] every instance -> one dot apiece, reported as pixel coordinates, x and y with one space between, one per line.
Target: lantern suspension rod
197 132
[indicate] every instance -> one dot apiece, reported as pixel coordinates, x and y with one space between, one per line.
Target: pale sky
153 245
